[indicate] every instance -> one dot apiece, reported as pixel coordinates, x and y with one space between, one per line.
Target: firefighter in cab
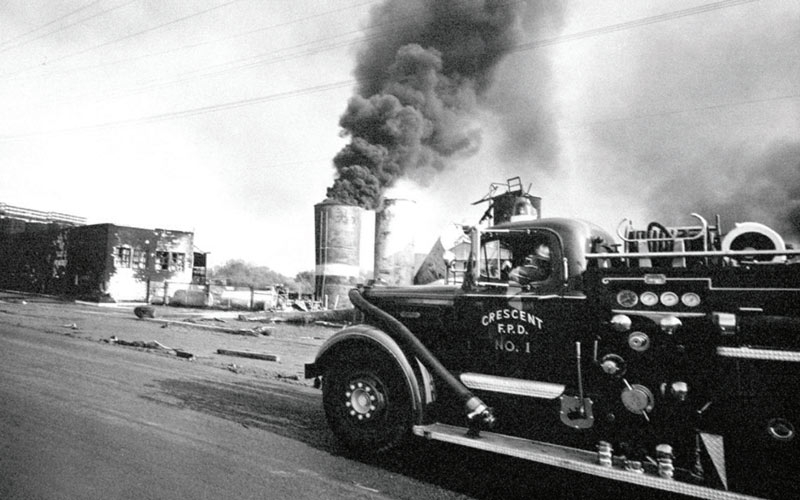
534 267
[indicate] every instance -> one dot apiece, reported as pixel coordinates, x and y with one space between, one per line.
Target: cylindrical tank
337 239
394 242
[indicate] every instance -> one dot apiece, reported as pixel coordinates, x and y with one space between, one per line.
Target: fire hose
478 414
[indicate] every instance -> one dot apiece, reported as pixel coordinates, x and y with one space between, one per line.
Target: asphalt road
85 419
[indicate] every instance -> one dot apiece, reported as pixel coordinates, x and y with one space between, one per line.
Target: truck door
518 319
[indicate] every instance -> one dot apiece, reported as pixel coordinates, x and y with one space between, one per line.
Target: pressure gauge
627 298
669 299
690 299
649 298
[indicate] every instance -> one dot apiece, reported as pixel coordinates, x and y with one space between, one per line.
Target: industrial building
53 253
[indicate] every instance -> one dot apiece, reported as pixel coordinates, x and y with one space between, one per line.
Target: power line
686 110
247 62
333 86
34 30
636 23
125 37
188 112
97 14
148 30
175 21
519 47
215 41
263 59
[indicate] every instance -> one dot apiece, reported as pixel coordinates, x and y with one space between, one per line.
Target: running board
566 458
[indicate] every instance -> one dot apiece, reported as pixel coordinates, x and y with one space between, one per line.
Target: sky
223 117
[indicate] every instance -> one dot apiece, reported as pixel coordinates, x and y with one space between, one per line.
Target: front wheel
367 400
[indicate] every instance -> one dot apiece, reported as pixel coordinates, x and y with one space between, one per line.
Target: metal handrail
703 231
696 253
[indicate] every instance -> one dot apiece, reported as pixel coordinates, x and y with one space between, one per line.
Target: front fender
361 335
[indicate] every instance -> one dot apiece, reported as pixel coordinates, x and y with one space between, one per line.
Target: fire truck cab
667 357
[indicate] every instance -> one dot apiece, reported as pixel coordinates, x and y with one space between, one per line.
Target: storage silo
395 223
337 238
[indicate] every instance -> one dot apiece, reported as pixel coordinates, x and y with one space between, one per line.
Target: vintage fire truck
667 357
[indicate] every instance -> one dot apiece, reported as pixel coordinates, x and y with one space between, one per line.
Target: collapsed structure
51 253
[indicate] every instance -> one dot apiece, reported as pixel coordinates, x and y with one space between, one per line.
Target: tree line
240 273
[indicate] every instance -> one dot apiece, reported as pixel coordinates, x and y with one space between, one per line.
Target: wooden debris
249 354
150 345
330 324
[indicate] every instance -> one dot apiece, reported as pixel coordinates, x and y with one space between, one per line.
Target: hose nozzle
479 416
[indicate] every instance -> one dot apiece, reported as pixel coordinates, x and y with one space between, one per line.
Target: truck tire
367 401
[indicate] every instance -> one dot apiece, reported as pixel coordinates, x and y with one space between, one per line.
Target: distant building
15 219
55 254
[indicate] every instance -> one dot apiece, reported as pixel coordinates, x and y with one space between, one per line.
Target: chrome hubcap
363 399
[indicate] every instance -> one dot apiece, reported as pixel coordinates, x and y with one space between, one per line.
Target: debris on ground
13 301
233 367
249 354
154 344
330 324
201 320
142 312
247 331
359 485
254 332
263 330
72 325
244 317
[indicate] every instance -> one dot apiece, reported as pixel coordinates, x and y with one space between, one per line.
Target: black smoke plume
420 81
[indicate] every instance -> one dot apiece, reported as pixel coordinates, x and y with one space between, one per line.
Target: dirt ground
197 332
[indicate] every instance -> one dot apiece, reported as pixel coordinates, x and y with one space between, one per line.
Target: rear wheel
367 400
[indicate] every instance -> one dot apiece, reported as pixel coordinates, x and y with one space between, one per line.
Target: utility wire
163 25
211 42
189 112
54 21
336 85
97 14
636 23
148 30
277 56
684 111
263 59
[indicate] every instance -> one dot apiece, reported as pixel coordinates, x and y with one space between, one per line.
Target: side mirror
474 254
